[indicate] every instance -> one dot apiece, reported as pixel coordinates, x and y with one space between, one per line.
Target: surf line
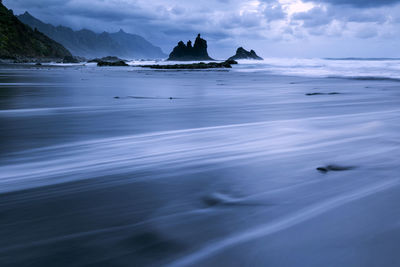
283 224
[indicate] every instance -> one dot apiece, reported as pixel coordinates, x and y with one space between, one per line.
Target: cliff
89 44
19 41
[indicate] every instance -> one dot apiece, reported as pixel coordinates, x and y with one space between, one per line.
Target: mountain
242 53
137 44
18 41
89 44
188 52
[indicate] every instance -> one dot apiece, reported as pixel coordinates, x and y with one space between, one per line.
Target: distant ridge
20 42
89 44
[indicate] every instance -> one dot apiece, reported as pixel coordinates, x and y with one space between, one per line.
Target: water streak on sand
183 148
282 224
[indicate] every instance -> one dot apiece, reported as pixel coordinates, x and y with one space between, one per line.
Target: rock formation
193 66
106 59
188 52
242 53
120 63
109 61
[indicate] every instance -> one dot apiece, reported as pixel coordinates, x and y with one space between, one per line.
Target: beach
125 166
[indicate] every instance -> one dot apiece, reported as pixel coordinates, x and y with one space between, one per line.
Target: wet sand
224 173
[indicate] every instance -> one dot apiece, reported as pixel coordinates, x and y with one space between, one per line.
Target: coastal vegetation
20 42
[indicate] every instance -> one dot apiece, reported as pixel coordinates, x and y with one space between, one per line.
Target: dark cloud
225 23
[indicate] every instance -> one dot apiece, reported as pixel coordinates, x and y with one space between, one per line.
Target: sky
273 28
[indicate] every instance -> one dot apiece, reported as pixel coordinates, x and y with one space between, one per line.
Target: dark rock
339 168
231 61
334 168
109 61
333 93
112 64
70 59
322 169
105 59
146 97
188 52
201 65
242 53
311 94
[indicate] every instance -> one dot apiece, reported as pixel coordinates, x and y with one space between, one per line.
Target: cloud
274 11
227 24
317 16
336 20
366 32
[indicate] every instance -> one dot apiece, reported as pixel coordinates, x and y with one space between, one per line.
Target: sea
280 162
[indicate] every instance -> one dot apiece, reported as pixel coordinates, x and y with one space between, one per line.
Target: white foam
385 68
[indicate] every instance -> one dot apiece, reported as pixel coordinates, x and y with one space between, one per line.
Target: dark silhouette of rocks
333 93
242 53
194 66
110 59
188 52
120 63
70 59
334 168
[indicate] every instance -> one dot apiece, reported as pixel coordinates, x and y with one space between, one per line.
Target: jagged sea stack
188 52
242 53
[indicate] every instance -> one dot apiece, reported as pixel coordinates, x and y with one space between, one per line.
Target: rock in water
106 59
112 64
109 61
188 52
193 66
242 53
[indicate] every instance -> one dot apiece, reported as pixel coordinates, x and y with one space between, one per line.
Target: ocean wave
366 78
353 68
